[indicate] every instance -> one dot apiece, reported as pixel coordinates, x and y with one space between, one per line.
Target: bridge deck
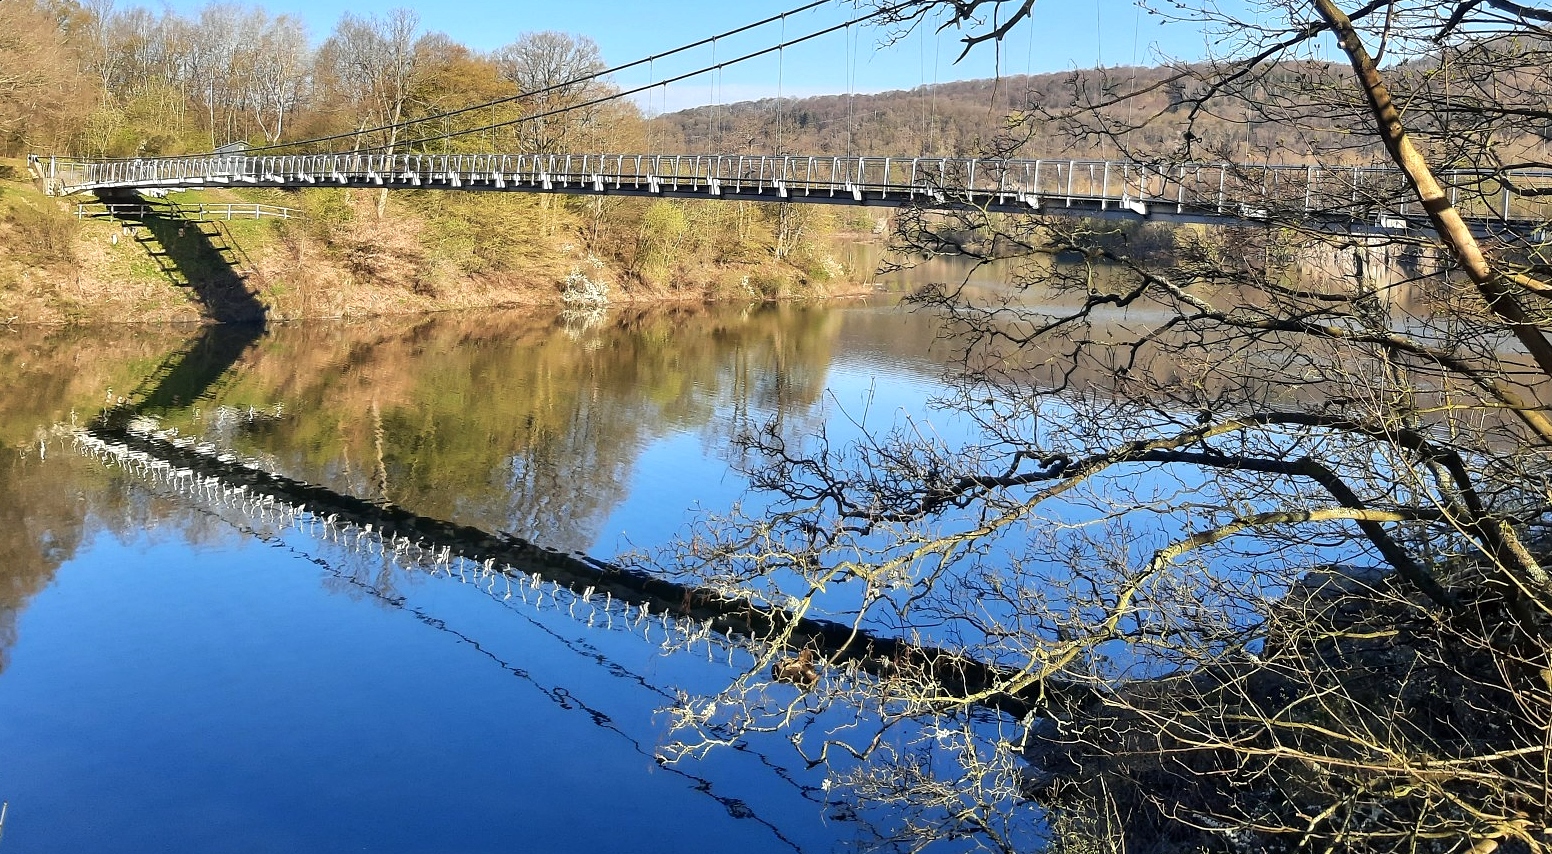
1366 197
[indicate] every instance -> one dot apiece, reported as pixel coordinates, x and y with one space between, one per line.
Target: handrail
1213 189
197 211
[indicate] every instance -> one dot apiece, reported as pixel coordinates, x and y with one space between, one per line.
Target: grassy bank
354 253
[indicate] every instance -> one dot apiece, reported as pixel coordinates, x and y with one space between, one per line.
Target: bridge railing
1215 189
202 212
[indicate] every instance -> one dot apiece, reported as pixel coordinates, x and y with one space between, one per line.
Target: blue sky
1064 34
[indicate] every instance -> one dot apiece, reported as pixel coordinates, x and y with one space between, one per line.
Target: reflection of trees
513 422
503 422
40 528
52 376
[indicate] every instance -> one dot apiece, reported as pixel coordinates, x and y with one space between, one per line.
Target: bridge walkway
1372 197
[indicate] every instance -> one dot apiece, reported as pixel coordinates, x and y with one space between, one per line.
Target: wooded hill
974 117
1282 115
95 80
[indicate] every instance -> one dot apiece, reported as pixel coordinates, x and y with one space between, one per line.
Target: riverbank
355 253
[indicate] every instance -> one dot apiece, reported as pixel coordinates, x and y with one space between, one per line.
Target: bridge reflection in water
685 617
499 600
503 568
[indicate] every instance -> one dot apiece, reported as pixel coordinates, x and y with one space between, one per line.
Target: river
181 671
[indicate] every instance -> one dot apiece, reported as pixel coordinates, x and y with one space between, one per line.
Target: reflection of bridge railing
1348 194
602 593
355 556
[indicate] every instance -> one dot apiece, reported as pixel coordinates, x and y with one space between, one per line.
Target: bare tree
1253 524
373 61
35 71
279 75
551 66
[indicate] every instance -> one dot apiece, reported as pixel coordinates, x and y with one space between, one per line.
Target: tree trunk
1445 218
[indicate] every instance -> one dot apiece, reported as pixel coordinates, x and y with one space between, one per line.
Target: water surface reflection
181 675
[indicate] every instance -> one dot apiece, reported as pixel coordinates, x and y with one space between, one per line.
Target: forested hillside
992 116
94 79
1159 112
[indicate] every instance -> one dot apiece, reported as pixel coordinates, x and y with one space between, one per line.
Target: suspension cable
781 57
564 84
639 89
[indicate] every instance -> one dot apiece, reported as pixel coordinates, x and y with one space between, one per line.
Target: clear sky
1064 34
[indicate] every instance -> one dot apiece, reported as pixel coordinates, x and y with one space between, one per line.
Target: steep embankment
343 256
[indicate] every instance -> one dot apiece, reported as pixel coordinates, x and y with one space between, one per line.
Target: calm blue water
182 676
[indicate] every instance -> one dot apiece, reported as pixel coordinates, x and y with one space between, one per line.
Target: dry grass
428 253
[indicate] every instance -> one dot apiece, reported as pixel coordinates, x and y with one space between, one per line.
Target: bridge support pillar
1376 267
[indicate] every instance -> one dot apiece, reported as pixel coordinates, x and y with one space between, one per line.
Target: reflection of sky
686 471
181 699
184 684
671 479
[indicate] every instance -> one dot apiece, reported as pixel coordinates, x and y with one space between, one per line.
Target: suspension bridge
1353 198
1360 197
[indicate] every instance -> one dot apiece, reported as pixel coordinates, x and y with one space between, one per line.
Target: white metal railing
178 210
1214 189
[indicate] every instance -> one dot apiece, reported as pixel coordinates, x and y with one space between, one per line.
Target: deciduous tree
549 68
1254 529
